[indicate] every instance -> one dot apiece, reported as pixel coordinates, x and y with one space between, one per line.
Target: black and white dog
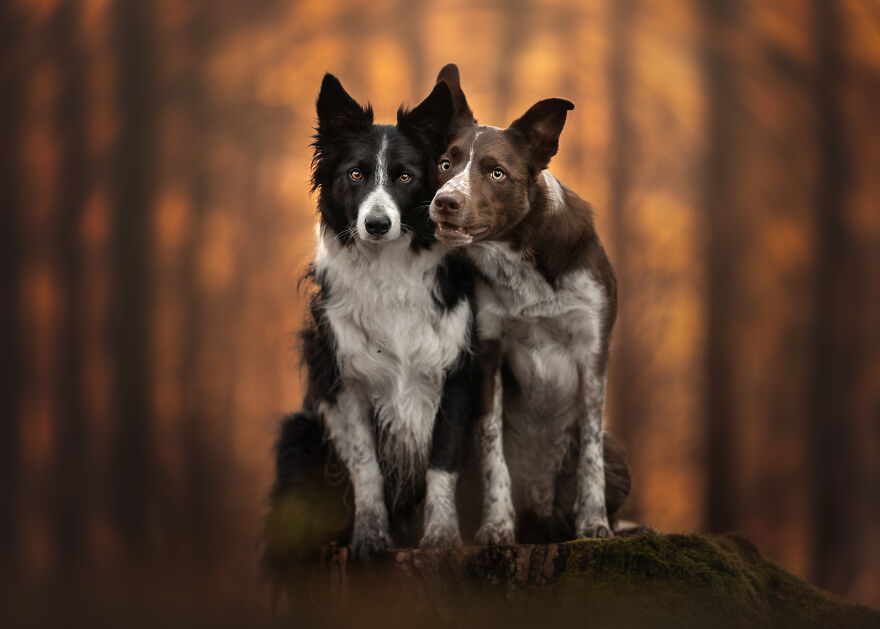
546 303
392 378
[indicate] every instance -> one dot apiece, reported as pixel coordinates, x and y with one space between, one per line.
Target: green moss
692 578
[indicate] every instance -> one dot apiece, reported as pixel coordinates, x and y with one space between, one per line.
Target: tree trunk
834 453
719 18
132 240
14 79
73 186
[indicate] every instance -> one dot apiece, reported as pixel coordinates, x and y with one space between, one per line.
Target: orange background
156 217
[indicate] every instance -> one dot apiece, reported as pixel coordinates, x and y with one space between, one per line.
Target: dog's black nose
448 201
377 225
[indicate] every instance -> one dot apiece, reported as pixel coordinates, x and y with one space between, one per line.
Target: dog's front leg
348 423
591 516
453 422
498 514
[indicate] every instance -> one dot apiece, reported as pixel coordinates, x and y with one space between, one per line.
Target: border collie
546 303
392 379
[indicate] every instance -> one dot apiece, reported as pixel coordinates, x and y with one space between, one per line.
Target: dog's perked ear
540 127
429 122
464 117
337 110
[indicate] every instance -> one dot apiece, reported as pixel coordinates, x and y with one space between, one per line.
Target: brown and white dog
546 304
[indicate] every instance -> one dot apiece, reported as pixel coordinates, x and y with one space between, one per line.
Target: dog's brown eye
445 165
355 174
497 174
405 177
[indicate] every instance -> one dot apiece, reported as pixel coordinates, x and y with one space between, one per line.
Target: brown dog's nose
448 201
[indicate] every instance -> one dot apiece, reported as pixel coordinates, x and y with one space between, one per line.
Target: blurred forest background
155 216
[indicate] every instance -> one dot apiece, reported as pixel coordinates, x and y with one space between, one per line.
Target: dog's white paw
370 536
440 537
595 529
495 534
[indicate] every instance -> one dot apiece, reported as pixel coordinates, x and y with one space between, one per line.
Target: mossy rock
639 581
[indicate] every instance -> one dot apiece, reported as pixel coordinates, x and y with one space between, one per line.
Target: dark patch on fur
457 414
455 281
490 360
318 346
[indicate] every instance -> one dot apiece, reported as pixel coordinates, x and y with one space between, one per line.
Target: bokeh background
155 216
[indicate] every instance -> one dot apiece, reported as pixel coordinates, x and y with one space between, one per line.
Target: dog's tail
618 484
300 449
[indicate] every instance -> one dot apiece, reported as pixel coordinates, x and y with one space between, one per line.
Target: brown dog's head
488 177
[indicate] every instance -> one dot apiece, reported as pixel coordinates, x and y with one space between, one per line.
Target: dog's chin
458 235
379 239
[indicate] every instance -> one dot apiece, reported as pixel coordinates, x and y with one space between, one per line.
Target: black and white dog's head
375 182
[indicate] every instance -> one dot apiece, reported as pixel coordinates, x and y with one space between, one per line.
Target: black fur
318 347
455 281
301 449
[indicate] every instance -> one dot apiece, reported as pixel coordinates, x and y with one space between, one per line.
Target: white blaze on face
379 202
462 181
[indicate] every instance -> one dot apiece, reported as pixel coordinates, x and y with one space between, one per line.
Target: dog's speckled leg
348 424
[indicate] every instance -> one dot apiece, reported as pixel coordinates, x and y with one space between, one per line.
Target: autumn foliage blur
155 215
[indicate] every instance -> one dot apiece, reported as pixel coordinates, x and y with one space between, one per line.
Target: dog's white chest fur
395 343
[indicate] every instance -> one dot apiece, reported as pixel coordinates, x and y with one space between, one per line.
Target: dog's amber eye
497 174
445 165
355 174
405 177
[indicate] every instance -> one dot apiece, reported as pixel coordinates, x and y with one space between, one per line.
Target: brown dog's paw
631 529
597 530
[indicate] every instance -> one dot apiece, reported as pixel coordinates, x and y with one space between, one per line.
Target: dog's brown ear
429 121
337 111
463 115
540 127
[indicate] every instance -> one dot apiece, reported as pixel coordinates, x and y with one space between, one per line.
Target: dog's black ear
463 115
429 122
338 111
540 126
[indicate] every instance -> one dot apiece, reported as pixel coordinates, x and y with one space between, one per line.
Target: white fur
348 423
551 338
394 343
441 515
498 515
379 202
461 182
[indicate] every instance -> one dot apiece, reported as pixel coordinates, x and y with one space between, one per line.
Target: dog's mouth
458 234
